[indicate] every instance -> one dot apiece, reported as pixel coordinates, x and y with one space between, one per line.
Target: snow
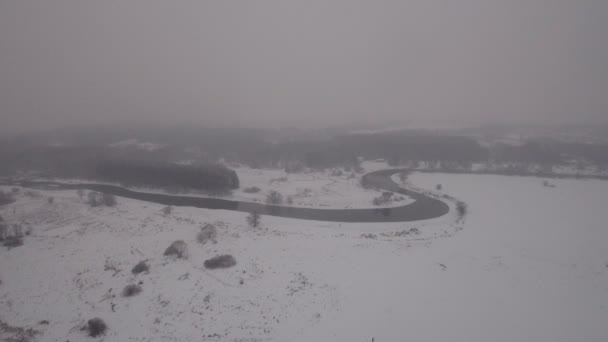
530 263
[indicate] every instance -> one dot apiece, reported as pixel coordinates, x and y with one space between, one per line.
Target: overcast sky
302 63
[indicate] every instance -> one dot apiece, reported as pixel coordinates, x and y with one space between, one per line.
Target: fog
306 64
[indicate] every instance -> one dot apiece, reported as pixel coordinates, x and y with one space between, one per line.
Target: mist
303 64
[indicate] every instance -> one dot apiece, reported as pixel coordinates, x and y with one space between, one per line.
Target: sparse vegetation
96 327
253 219
167 210
108 200
289 200
274 198
50 200
11 235
178 249
131 290
96 199
461 210
13 241
141 266
252 190
80 193
208 233
220 261
438 187
385 198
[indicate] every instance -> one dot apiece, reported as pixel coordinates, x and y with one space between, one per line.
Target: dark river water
422 208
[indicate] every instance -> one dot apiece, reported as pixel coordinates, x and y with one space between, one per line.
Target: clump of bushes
178 249
220 261
141 266
274 197
208 232
12 236
385 198
6 198
96 327
252 190
131 290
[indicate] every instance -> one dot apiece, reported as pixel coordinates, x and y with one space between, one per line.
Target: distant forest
188 156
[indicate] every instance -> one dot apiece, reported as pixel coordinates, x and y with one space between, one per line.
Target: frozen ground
530 263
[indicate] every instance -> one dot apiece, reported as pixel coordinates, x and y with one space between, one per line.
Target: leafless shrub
438 187
208 233
108 200
221 261
178 248
461 210
141 266
50 200
94 199
274 198
253 219
96 327
289 200
167 210
80 193
252 190
385 198
131 290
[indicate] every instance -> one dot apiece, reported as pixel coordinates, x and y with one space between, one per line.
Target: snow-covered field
530 263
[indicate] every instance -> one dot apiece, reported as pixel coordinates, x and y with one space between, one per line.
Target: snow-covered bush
178 248
131 290
96 327
208 232
252 190
220 261
141 266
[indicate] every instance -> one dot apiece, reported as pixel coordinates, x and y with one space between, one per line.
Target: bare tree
254 219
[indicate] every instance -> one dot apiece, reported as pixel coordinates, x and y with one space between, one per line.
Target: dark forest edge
73 154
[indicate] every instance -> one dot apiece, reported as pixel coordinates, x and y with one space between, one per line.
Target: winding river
423 207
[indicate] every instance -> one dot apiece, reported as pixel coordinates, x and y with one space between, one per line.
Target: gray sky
303 63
